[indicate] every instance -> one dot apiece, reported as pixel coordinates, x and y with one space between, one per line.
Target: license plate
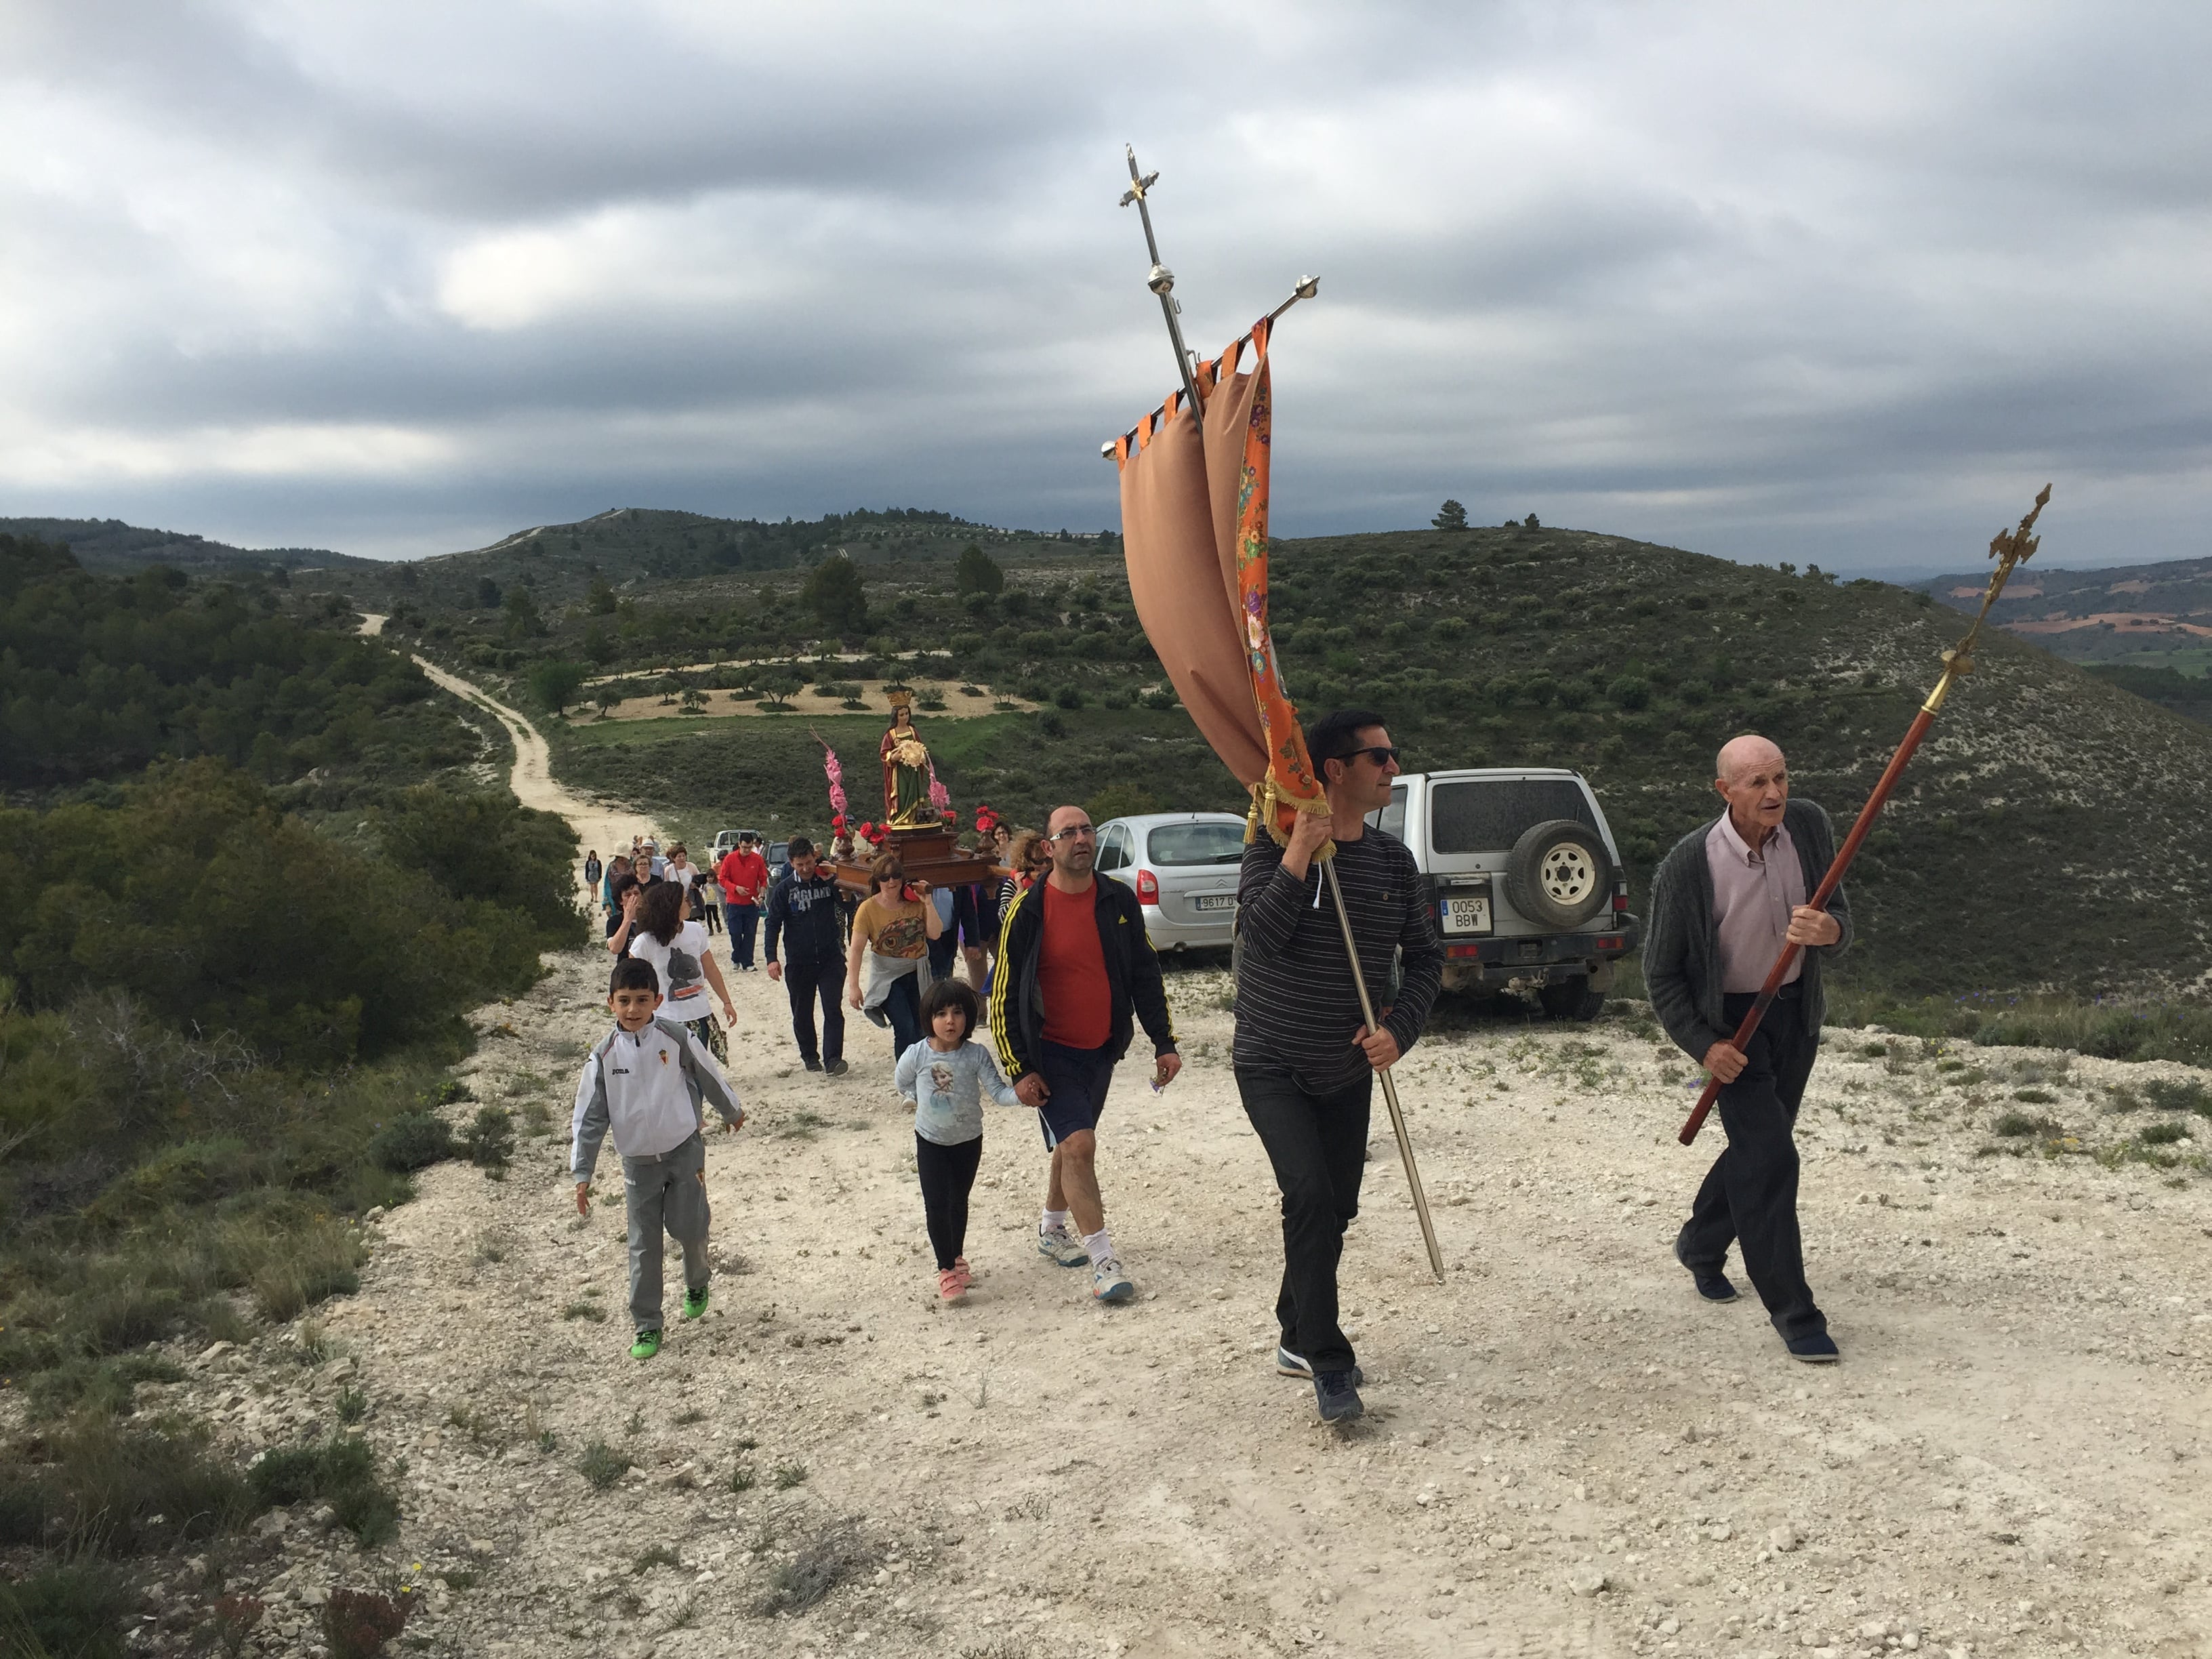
1214 902
1467 915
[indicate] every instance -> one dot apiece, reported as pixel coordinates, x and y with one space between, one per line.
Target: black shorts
1079 1079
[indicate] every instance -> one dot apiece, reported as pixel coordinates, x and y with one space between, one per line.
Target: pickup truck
1526 879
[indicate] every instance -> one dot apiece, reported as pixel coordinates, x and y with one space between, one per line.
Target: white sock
1101 1246
1048 1219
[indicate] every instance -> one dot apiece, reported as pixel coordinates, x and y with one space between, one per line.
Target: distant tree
778 685
555 683
607 696
522 618
1451 516
978 572
693 698
1529 523
487 593
601 599
836 596
408 577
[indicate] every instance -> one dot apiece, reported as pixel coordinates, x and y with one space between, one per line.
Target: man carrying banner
1305 1062
1723 902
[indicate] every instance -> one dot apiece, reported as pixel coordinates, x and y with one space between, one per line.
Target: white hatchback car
1183 866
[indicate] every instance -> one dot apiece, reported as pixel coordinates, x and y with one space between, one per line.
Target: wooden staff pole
2009 549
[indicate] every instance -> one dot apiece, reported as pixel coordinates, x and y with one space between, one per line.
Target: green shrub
2162 1134
2014 1124
77 1610
491 1138
101 1487
413 1141
341 1472
602 1465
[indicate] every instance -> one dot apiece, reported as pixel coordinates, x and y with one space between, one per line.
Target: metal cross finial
1161 280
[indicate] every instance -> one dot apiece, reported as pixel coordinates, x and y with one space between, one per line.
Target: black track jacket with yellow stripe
1132 972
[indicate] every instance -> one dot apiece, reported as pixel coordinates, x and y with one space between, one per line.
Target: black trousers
1749 1197
1318 1146
948 1174
806 983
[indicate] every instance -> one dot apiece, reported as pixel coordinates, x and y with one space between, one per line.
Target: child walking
645 1081
945 1076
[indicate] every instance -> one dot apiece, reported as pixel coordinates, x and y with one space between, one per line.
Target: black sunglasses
1381 753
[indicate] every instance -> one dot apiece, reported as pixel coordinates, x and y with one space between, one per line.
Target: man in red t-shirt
1075 973
743 874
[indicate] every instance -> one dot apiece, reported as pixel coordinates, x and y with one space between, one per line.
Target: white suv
1527 880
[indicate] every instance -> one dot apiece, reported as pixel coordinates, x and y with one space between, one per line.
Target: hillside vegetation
2047 837
110 546
2125 611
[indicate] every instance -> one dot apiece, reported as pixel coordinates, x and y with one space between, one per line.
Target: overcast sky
1844 284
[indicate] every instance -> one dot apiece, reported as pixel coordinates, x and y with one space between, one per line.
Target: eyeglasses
1381 753
1075 832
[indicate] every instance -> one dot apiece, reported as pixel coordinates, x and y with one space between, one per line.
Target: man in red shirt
743 874
1075 973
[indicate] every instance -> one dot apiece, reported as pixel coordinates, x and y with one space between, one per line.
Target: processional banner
1194 526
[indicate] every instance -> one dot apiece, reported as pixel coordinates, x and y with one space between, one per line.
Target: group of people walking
1066 977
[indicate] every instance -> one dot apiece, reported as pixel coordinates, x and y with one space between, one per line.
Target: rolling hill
110 547
2125 612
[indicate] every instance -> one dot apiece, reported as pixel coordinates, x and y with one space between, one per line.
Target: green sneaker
647 1346
695 1303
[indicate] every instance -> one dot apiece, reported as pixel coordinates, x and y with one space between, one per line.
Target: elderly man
1722 903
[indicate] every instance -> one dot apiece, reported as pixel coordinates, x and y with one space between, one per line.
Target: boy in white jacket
646 1081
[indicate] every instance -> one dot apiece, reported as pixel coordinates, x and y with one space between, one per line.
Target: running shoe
1108 1283
812 1064
967 1274
1297 1364
835 1067
647 1346
1059 1245
1338 1396
695 1303
951 1285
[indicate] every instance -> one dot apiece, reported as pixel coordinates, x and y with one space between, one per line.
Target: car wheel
1558 875
1571 998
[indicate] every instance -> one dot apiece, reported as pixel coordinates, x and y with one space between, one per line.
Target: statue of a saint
905 774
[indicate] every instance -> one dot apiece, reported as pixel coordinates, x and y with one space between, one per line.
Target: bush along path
1564 1447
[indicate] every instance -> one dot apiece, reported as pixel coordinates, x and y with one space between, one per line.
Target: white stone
1783 1538
1586 1581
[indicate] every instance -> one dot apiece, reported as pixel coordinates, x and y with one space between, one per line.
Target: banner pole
1390 1089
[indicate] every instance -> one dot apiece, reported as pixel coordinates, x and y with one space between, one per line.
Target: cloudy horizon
1843 288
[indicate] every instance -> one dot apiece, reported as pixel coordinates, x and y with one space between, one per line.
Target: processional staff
2008 548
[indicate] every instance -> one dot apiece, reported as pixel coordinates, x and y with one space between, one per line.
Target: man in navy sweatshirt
1305 1061
802 913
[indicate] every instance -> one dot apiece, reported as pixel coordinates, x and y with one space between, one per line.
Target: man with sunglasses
1075 973
1305 1060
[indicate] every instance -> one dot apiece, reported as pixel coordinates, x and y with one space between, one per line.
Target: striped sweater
1297 1007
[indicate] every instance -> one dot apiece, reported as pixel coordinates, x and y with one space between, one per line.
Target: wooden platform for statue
932 855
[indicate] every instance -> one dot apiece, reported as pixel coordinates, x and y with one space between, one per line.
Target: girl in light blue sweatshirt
946 1076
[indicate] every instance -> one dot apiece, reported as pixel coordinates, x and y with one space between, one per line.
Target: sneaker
1712 1284
835 1067
1108 1283
695 1303
951 1285
812 1064
1059 1245
647 1346
1337 1393
1297 1364
967 1274
1818 1349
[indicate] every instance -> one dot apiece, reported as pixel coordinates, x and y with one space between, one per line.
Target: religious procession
1010 969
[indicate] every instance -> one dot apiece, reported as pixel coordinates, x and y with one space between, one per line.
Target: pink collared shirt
1753 894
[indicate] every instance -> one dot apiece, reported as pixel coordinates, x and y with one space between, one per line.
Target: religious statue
906 775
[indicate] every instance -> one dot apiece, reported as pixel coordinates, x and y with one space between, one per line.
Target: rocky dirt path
1566 1451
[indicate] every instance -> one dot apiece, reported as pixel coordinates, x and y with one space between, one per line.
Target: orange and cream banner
1195 523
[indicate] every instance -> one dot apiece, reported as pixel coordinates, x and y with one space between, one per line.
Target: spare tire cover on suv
1558 875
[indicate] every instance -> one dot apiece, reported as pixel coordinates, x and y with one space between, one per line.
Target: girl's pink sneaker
951 1285
967 1275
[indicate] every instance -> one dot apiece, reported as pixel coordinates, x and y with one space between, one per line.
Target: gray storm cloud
1770 283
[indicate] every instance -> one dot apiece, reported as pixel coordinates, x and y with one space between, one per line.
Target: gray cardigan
1681 957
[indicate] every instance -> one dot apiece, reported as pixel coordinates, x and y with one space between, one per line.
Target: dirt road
1566 1451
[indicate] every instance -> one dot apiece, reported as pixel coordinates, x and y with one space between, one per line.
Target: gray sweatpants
665 1192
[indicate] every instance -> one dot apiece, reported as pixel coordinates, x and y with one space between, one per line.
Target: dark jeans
1750 1194
1318 1146
902 1008
943 951
739 918
947 1174
805 982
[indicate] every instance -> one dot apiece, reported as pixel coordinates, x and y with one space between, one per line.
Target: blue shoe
1338 1396
1061 1247
1297 1364
1818 1349
1712 1284
1109 1283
